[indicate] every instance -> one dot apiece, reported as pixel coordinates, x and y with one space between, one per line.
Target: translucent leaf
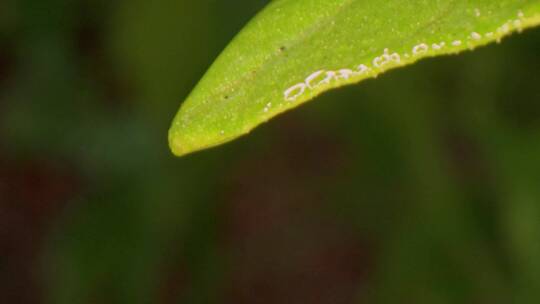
296 49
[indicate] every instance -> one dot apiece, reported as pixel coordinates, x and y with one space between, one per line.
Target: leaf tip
176 145
182 141
180 144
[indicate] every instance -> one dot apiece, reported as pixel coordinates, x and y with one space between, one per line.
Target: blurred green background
422 186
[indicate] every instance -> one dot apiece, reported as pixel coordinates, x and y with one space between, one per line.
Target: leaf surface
294 50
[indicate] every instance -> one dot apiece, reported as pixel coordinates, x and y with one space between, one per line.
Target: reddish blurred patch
175 282
284 246
31 194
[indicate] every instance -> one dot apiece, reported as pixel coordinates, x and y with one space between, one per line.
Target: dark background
421 186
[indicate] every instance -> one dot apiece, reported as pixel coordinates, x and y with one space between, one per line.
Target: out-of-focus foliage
428 193
294 50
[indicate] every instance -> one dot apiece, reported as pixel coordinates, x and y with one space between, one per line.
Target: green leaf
296 49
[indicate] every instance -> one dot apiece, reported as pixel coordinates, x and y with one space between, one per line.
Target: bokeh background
422 186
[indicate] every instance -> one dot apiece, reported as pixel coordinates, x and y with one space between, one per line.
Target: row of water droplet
387 59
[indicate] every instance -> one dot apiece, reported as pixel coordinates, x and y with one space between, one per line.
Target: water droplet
395 57
345 73
476 36
386 58
504 29
292 93
518 24
420 49
362 69
312 77
328 76
477 12
378 62
267 108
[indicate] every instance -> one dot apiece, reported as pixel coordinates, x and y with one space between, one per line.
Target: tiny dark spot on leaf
282 48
